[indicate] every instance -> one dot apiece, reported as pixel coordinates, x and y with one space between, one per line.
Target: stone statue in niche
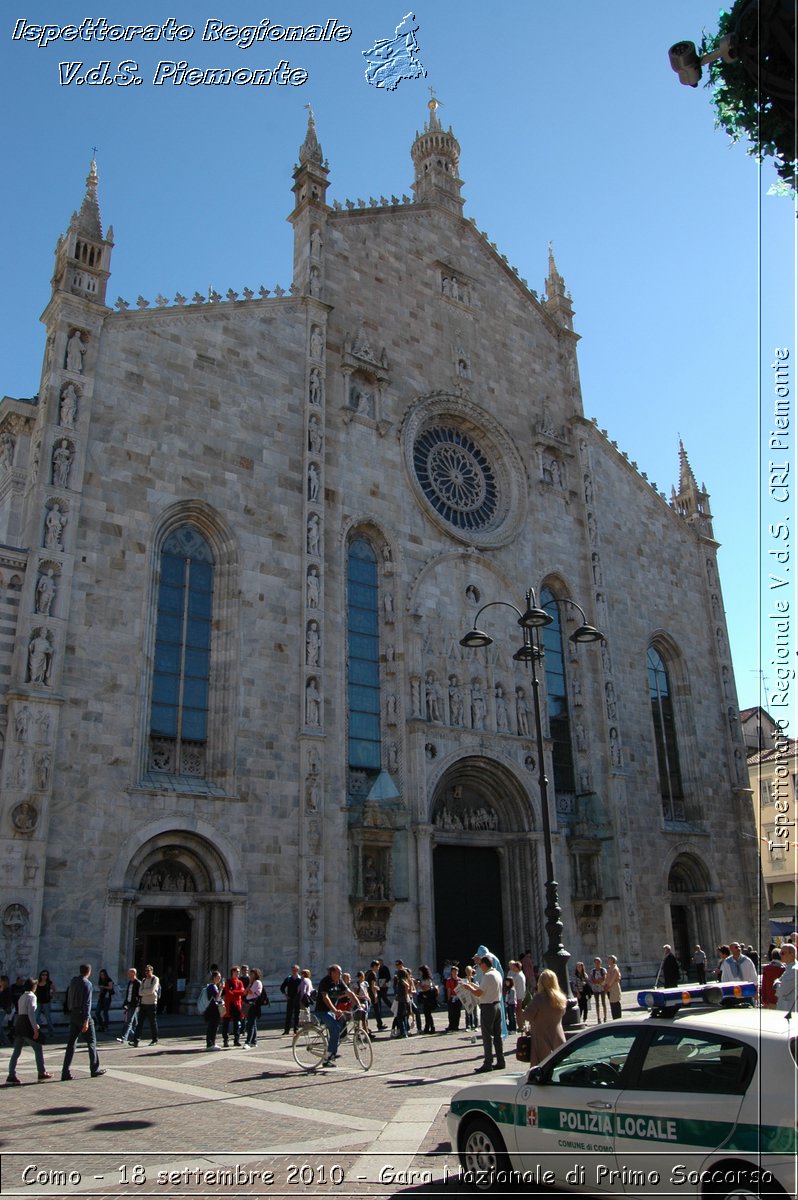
315 243
312 793
315 386
45 592
522 712
390 708
576 689
615 748
314 588
75 353
15 920
588 489
502 716
434 697
63 456
456 703
68 410
591 527
43 764
312 703
313 481
581 741
312 644
387 605
43 725
362 401
393 758
314 436
478 709
597 579
40 657
390 652
316 342
54 524
472 595
315 281
612 707
606 659
373 887
7 444
314 533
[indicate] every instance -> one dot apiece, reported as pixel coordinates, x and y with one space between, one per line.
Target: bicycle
310 1044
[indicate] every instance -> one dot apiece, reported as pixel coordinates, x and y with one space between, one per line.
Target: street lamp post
532 620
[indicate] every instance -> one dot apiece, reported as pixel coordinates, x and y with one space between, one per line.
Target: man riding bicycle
331 991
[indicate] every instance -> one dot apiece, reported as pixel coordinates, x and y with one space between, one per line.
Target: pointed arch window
181 675
557 697
363 645
670 776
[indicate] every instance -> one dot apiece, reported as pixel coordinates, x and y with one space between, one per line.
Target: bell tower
436 156
82 255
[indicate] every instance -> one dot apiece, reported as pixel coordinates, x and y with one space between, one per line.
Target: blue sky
573 129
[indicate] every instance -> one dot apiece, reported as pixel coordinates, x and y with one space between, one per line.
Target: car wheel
746 1185
483 1155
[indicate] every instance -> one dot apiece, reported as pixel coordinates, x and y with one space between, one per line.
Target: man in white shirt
787 985
489 994
738 968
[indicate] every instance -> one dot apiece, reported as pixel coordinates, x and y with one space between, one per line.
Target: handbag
587 990
22 1026
523 1048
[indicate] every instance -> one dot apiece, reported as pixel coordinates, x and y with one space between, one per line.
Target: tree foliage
754 96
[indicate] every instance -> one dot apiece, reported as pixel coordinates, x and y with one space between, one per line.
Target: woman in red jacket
233 994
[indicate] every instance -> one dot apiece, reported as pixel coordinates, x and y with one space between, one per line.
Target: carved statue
314 588
54 524
69 405
387 605
312 644
313 481
456 706
522 712
40 657
7 444
314 436
314 528
316 343
63 455
315 386
75 352
45 592
502 716
434 697
478 709
312 703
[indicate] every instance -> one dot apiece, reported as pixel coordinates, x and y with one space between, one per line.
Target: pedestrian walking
27 1033
130 1008
78 1003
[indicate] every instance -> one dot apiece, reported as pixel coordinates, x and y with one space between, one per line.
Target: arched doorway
163 938
692 904
484 863
174 907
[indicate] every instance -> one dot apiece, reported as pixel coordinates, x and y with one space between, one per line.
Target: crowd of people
481 996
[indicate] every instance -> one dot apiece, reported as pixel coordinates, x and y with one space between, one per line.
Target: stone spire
558 300
88 219
83 255
310 150
691 501
436 156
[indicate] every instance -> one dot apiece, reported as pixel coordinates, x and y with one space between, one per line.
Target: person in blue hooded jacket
484 952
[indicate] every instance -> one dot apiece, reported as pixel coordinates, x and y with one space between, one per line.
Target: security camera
686 63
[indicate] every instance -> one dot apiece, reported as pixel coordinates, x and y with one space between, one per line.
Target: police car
688 1101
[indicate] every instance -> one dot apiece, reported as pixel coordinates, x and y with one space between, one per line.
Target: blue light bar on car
711 993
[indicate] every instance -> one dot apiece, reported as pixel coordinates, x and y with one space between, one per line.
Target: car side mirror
535 1076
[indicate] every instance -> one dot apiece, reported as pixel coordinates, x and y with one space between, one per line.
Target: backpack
204 1000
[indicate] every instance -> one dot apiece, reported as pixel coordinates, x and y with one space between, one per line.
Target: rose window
456 477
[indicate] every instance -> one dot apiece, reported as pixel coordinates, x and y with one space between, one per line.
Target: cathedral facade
243 538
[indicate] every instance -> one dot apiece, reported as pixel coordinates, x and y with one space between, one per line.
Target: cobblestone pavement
175 1119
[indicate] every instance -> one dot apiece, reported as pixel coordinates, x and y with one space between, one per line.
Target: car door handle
598 1104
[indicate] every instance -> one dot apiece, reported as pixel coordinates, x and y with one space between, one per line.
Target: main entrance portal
163 938
468 904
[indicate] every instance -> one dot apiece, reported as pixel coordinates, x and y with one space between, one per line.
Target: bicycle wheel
309 1047
361 1044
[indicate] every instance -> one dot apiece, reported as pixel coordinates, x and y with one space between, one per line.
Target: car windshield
596 1061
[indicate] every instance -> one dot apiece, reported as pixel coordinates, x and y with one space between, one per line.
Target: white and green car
685 1102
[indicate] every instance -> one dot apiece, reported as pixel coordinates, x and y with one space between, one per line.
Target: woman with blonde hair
544 1015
